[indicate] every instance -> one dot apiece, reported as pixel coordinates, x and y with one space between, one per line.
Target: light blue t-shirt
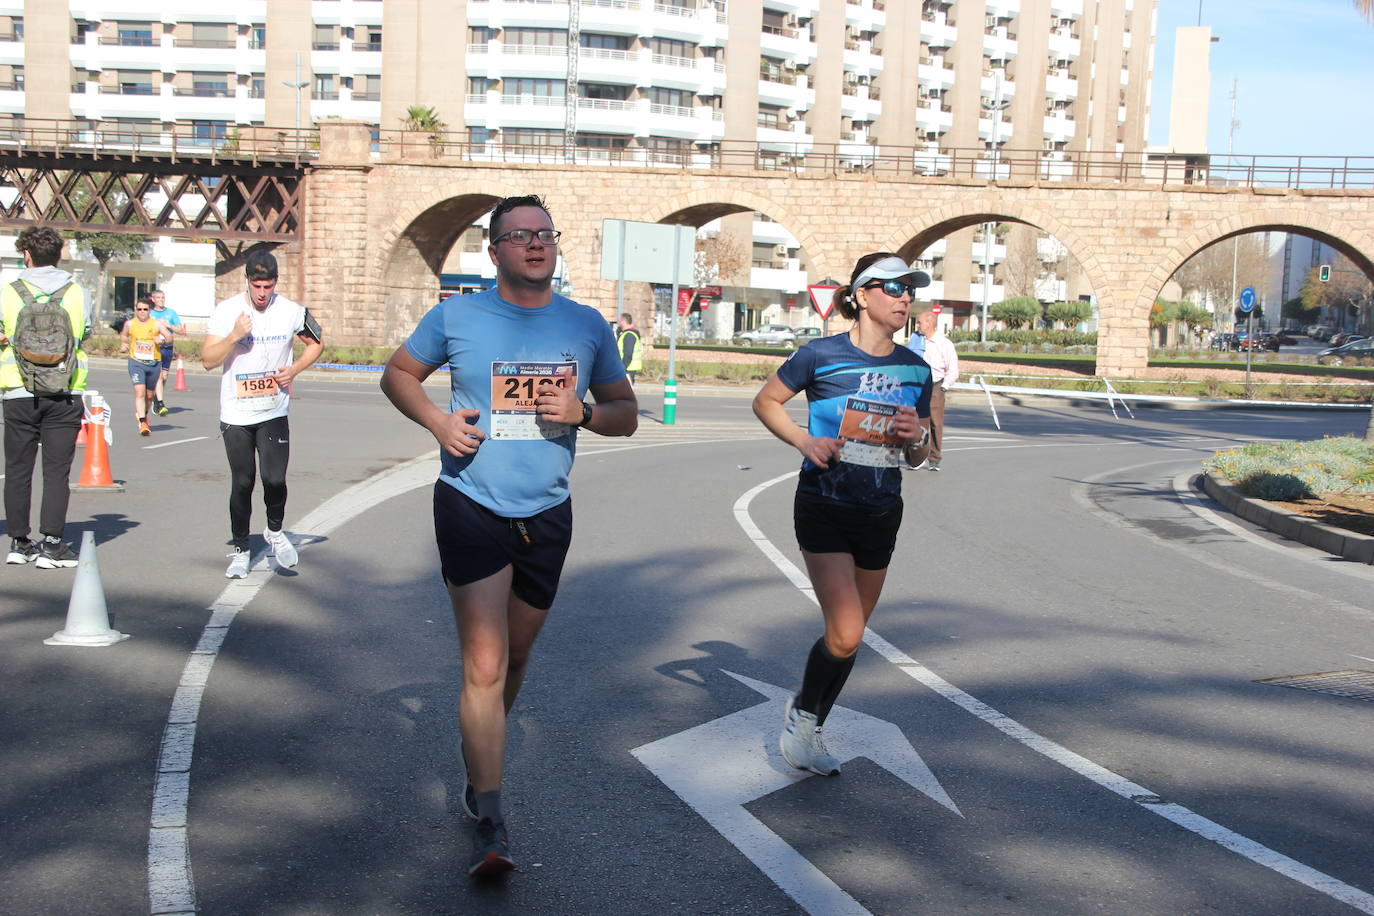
496 347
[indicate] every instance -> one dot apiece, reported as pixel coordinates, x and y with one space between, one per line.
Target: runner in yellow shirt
141 337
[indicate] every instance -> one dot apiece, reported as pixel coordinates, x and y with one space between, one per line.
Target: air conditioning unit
779 251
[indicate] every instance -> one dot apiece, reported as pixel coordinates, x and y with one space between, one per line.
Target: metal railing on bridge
137 139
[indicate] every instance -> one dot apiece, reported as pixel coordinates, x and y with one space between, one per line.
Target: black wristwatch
586 415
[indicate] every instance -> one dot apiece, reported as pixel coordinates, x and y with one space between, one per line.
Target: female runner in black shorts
868 411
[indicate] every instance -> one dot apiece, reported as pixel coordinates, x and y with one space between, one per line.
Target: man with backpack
43 320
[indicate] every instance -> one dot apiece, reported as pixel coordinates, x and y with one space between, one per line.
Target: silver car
768 335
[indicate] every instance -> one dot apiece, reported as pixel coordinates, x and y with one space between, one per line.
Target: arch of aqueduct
376 232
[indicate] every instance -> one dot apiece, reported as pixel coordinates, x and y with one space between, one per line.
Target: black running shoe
490 850
22 550
159 408
54 553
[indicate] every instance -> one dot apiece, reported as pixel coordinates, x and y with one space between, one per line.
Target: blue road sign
1247 299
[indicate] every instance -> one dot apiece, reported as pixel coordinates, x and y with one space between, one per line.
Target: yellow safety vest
73 302
636 351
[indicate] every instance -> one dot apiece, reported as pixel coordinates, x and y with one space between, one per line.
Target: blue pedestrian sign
1247 299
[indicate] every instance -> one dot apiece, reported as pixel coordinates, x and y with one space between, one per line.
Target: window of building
367 88
371 38
666 149
473 241
672 47
257 87
480 85
542 37
208 133
772 116
604 42
605 91
210 35
480 35
16 80
17 28
532 136
325 86
480 135
82 29
130 130
539 88
257 37
326 38
134 82
681 98
210 85
136 34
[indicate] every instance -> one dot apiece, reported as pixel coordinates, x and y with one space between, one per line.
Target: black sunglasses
893 288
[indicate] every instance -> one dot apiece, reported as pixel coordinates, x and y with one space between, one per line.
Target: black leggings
271 442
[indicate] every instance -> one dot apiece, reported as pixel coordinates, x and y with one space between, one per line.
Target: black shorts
168 351
475 543
827 528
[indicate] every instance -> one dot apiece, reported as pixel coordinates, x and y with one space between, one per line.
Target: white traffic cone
88 621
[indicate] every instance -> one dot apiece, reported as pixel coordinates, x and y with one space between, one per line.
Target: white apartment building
650 80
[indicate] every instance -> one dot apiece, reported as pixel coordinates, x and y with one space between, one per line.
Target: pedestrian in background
141 337
943 359
175 328
630 343
42 405
868 405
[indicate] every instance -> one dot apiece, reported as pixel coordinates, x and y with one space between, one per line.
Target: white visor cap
890 269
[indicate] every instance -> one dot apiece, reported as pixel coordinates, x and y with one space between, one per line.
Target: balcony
204 43
205 92
129 41
131 89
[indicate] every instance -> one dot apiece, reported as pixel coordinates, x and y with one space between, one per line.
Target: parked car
768 335
1223 342
1284 338
1347 353
1259 342
1344 337
806 335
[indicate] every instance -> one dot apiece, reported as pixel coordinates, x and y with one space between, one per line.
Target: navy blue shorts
826 528
145 374
168 351
475 543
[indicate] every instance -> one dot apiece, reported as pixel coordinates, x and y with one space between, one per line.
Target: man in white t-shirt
251 336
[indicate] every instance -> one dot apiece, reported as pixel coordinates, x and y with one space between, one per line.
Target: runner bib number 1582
514 386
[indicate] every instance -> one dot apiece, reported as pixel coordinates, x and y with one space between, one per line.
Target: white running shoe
282 548
238 565
801 743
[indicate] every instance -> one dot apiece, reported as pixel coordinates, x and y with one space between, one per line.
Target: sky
1304 72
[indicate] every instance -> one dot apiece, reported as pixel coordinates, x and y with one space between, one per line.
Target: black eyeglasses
893 288
522 237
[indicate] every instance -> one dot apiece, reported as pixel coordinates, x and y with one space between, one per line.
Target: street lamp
298 85
995 107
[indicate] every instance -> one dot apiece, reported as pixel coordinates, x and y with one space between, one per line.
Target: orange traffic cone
81 438
95 473
180 383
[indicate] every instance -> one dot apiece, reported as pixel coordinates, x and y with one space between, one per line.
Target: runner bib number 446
868 430
514 386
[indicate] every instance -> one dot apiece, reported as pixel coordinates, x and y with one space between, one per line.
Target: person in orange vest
41 394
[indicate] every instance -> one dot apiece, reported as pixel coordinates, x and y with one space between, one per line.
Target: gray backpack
43 342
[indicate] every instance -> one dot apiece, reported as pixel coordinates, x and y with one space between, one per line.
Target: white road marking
149 448
1113 782
171 887
744 769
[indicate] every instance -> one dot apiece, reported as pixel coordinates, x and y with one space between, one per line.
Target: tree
719 259
1220 271
1348 288
1016 312
1194 316
1069 313
103 246
1366 8
423 118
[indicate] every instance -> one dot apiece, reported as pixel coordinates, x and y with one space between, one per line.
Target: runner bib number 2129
514 386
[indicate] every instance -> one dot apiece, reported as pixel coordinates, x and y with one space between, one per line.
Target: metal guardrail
82 138
1342 173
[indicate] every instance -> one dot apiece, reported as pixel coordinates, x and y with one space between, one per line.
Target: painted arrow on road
745 765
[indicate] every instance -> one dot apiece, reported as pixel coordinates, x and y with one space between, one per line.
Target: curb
1338 541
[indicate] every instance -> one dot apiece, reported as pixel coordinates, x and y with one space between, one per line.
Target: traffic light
1324 273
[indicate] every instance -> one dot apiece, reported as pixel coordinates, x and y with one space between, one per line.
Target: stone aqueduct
376 232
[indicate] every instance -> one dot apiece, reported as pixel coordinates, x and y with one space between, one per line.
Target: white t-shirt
246 394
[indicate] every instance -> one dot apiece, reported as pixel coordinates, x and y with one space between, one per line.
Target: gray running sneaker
282 548
490 850
238 564
801 743
54 553
469 793
22 550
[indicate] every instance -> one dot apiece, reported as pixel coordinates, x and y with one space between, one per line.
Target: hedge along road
323 771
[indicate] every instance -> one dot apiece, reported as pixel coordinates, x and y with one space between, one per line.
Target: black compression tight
263 449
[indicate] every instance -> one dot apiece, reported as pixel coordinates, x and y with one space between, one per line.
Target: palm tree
1366 8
